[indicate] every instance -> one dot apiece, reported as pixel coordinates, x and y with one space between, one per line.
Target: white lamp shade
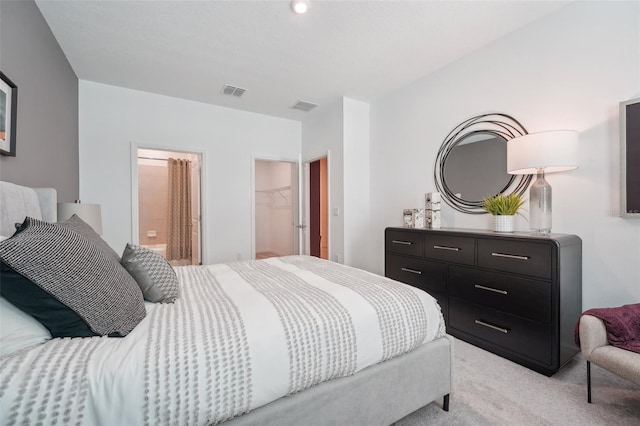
90 213
553 151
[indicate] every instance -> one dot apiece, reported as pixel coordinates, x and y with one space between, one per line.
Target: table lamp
90 213
540 153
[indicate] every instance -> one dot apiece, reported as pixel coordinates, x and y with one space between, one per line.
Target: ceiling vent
232 90
304 106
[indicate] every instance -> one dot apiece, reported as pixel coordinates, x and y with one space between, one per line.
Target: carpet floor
490 390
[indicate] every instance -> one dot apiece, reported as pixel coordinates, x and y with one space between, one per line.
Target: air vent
304 106
232 90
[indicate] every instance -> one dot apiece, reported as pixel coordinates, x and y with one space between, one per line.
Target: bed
285 341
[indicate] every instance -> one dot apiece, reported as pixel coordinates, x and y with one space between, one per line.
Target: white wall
566 71
322 133
342 129
357 226
111 118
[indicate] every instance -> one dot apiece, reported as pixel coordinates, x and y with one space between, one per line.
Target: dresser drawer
449 248
527 338
404 242
521 257
523 297
428 276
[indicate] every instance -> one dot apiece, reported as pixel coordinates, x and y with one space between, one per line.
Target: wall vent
227 89
304 106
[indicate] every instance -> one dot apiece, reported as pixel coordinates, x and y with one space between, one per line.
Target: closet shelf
277 197
273 190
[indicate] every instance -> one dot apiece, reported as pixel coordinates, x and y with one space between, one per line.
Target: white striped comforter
239 336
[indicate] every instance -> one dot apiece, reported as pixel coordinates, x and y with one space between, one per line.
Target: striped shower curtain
179 217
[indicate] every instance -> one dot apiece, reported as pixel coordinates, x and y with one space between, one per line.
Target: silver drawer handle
510 256
446 248
406 243
493 327
495 290
413 271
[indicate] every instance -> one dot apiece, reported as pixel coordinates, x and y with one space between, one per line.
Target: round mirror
477 166
472 162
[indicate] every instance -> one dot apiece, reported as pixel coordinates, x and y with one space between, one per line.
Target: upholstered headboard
17 202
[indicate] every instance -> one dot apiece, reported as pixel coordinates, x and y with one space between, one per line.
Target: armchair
596 348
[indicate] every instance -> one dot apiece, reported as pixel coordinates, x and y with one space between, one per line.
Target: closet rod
151 158
280 188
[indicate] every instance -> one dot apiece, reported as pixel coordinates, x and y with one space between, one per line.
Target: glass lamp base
540 231
540 206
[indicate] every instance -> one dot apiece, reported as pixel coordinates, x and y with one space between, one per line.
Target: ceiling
359 49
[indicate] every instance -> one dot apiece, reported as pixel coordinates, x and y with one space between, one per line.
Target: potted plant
503 208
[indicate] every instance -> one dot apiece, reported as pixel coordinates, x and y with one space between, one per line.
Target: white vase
502 223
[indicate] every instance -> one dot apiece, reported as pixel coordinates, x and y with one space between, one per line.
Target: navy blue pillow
54 315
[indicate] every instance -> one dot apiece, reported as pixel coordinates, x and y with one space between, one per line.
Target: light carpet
490 390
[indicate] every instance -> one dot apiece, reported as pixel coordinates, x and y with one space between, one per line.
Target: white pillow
19 330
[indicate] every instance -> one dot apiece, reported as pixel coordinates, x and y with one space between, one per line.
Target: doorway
275 208
317 215
169 204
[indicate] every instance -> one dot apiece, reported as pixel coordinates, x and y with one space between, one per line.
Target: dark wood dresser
517 295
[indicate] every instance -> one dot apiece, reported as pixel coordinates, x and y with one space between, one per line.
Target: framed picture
8 114
630 158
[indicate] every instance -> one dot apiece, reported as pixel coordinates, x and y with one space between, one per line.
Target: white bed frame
378 395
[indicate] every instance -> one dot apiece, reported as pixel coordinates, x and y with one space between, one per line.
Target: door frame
135 226
305 187
297 204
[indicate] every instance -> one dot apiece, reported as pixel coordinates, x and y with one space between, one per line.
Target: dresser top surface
564 239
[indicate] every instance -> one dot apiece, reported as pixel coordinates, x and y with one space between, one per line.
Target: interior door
314 208
295 205
324 208
304 229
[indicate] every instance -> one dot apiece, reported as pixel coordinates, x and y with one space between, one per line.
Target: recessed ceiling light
300 6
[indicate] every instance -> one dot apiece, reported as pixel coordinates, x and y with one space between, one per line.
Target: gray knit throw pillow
78 225
78 274
152 272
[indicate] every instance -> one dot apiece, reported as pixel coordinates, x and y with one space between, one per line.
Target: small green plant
503 205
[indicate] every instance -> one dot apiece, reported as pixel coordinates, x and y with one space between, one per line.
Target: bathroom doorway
169 204
275 208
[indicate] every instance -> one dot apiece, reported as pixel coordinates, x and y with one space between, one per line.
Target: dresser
517 295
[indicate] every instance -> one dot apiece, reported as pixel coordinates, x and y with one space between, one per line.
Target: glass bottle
540 205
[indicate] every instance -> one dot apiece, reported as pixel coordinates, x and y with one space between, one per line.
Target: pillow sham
67 268
75 223
18 330
152 272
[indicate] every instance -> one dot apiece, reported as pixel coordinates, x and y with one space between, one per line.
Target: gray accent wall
47 122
